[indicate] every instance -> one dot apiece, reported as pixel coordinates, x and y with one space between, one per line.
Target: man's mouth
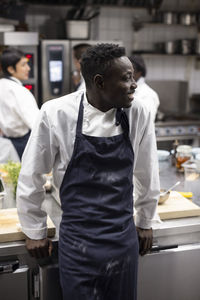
131 95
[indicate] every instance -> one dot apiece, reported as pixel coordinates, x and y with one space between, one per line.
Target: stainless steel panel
173 95
14 285
49 283
16 38
170 274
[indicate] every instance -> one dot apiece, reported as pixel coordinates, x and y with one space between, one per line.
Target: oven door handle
9 266
160 248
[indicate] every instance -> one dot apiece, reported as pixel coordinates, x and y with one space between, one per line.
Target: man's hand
39 248
145 237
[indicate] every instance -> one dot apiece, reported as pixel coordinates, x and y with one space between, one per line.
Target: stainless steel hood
19 38
173 95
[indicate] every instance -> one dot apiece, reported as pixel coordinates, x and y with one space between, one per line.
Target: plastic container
192 178
184 153
78 29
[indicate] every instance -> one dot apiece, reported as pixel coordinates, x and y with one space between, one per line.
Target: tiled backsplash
116 23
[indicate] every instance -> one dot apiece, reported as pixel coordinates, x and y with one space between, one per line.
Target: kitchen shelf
170 25
165 54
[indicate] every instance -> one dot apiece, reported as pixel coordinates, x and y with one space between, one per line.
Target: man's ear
10 70
99 81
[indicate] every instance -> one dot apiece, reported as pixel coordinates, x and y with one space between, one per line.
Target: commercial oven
28 43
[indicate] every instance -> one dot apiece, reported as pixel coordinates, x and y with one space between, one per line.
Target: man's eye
128 77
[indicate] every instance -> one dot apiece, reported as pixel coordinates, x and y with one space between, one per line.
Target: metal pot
187 18
169 47
186 46
169 18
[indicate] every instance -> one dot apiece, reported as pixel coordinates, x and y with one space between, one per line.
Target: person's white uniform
18 108
51 146
7 151
81 85
147 95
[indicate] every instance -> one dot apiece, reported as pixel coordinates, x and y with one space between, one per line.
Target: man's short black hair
79 49
10 57
138 64
98 59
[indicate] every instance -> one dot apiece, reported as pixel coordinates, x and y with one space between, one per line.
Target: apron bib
20 143
98 244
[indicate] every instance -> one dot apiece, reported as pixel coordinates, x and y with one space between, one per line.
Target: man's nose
133 84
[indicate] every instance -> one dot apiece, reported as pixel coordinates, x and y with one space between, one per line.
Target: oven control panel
177 131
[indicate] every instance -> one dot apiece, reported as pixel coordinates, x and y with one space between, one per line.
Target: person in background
18 107
144 92
98 142
77 77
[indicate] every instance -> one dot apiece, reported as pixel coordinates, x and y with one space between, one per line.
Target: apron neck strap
121 118
80 117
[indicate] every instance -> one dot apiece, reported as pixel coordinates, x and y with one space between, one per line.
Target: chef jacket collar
15 79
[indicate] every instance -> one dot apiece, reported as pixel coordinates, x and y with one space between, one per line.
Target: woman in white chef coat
18 107
144 92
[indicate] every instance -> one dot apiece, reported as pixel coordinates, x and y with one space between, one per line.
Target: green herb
12 169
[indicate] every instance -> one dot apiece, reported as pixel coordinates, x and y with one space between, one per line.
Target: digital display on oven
30 58
55 70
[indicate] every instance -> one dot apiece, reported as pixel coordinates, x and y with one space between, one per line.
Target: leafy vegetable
12 169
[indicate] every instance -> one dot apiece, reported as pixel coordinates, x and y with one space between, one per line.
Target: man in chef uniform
144 92
18 108
95 141
77 77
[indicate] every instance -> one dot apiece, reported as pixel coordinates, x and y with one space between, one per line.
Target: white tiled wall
116 23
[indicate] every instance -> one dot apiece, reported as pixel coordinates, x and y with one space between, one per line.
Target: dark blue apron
98 245
20 143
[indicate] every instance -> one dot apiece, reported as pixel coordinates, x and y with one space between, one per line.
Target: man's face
21 70
119 84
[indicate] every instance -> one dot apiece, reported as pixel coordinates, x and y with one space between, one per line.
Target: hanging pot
187 19
169 47
186 46
170 18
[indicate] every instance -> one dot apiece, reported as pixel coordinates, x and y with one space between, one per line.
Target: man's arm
37 160
146 185
39 248
145 238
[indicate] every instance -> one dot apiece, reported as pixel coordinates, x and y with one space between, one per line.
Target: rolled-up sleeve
37 160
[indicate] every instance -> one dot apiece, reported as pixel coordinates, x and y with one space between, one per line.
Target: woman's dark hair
10 57
98 59
138 64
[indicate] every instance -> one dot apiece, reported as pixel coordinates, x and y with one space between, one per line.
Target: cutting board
10 229
177 206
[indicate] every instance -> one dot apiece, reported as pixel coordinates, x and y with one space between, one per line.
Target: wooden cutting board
10 229
177 206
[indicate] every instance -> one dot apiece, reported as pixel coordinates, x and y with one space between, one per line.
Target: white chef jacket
147 95
7 151
82 84
18 108
51 145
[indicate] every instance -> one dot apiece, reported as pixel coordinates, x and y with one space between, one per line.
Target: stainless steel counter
163 275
